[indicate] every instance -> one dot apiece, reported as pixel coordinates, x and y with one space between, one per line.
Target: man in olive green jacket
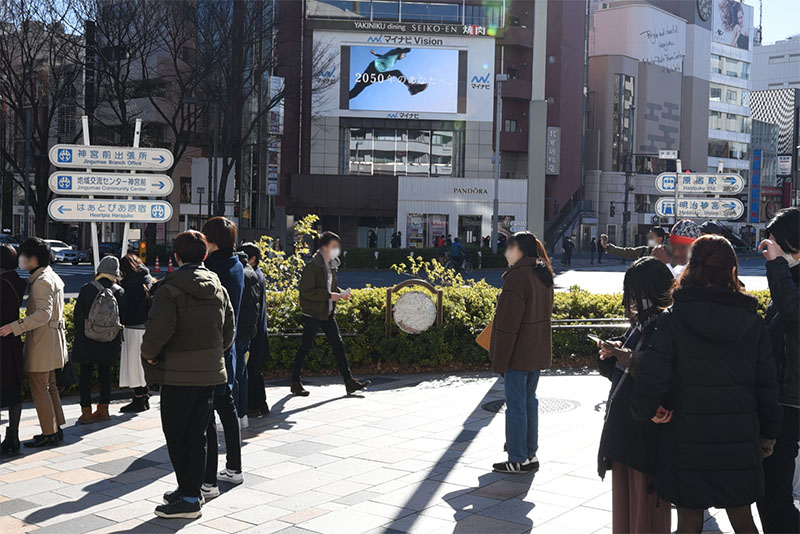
319 293
190 324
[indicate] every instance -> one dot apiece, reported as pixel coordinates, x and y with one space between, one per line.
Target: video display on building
733 24
403 78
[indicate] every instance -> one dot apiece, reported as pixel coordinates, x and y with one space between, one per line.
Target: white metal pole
123 249
95 244
678 171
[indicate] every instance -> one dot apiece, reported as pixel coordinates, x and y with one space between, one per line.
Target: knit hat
109 265
685 232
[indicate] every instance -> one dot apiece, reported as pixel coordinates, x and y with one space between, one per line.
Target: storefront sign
784 165
552 158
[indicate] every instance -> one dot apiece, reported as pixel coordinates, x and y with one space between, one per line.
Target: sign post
123 249
95 243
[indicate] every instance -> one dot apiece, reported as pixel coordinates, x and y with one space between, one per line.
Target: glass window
623 107
403 151
716 94
511 125
385 9
716 65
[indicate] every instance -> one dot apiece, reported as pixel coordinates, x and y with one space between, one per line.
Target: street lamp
500 78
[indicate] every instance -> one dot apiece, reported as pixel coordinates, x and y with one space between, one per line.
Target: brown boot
86 416
101 414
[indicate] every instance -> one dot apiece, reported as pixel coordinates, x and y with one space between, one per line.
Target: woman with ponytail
521 345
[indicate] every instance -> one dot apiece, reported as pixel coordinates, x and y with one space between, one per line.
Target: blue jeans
240 388
522 414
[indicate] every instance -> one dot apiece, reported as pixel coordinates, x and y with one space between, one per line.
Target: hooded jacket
315 297
710 360
522 334
190 325
783 286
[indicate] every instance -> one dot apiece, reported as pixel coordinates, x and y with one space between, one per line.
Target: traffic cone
158 265
170 265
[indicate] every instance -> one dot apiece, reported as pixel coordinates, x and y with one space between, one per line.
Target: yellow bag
484 339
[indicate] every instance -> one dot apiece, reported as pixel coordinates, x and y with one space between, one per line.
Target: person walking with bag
45 339
98 336
12 363
628 447
521 346
708 376
137 283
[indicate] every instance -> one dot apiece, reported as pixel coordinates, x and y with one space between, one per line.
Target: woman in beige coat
45 340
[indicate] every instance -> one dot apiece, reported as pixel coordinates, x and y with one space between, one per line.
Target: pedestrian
246 329
592 250
319 294
676 253
12 364
98 336
708 376
372 238
600 250
277 246
568 247
521 346
782 251
259 346
655 238
137 283
458 254
395 240
629 447
220 233
190 325
449 241
45 347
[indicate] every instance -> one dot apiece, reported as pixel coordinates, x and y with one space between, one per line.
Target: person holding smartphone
629 447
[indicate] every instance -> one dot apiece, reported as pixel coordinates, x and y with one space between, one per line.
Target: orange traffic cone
158 265
170 265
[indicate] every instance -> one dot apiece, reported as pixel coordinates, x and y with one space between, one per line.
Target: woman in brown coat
522 345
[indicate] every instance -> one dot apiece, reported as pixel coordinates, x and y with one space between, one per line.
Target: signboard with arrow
700 208
109 210
91 183
114 157
719 184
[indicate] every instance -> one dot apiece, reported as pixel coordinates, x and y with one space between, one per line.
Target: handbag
484 339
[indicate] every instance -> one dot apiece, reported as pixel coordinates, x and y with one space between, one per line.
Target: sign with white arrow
91 183
720 184
109 210
700 208
114 157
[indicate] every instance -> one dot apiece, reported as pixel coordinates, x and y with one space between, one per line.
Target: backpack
103 324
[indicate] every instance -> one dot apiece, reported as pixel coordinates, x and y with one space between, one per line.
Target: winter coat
137 294
44 328
710 360
259 345
315 298
522 334
226 265
783 286
12 364
190 326
250 307
90 351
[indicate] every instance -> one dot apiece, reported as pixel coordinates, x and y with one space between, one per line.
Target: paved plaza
413 454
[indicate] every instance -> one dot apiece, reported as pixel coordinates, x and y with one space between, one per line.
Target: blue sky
780 18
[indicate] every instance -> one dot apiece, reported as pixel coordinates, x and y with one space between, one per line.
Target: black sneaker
137 405
532 464
39 441
299 390
180 510
354 385
171 497
516 468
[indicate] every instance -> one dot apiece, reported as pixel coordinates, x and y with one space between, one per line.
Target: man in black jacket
259 345
246 330
782 251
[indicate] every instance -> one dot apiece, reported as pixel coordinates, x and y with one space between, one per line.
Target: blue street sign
700 208
98 183
720 184
114 157
109 210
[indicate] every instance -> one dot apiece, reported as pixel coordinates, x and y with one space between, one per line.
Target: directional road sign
701 208
90 183
721 184
109 210
114 157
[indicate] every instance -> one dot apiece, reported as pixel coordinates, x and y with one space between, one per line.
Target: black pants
331 329
776 509
185 411
256 392
225 407
85 384
372 75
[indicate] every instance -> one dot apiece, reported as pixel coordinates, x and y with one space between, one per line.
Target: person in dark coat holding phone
628 447
12 365
710 378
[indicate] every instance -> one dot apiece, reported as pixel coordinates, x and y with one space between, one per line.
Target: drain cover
546 405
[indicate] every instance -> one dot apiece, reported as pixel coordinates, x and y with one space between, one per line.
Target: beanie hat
685 232
109 265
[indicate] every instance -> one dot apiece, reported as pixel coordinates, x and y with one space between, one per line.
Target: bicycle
464 269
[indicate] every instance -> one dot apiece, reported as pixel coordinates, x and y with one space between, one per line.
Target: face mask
334 253
652 243
791 260
512 256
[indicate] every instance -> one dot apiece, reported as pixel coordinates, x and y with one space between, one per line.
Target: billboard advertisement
445 77
732 24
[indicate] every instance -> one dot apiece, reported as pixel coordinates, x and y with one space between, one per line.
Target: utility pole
537 123
499 79
28 133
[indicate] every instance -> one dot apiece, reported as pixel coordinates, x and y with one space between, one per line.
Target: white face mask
333 253
791 260
652 243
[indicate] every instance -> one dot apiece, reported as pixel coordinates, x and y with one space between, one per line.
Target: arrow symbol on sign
62 209
159 159
161 184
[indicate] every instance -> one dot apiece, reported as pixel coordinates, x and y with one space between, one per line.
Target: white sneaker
231 477
244 422
208 491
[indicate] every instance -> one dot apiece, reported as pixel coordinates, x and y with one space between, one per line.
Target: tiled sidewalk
413 454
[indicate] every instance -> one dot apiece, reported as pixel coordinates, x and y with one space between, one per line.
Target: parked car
10 240
71 256
56 248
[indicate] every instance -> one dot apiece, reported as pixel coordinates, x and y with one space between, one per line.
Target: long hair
712 263
130 264
647 285
531 247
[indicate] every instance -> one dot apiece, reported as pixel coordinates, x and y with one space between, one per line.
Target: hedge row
364 258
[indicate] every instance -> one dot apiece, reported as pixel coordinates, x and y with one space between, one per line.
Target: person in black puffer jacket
629 447
710 364
782 251
137 283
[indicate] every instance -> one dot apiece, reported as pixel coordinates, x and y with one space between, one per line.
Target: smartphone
595 338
